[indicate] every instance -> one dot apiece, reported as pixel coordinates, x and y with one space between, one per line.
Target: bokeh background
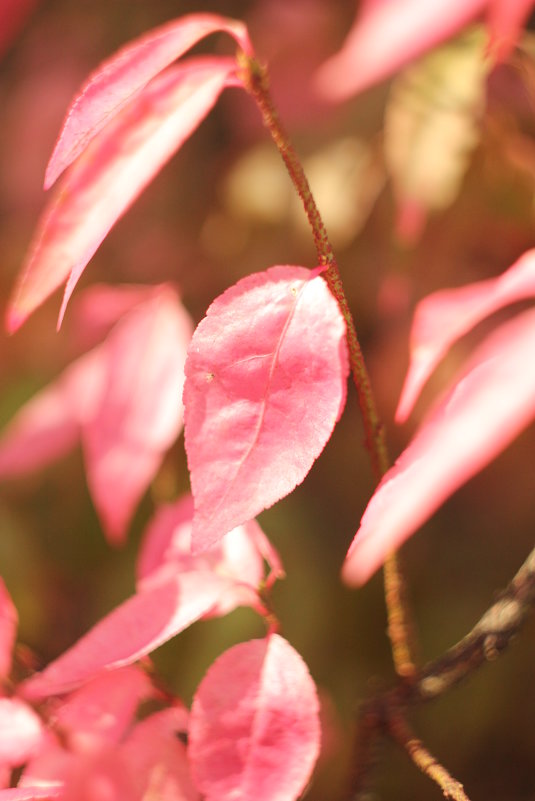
221 209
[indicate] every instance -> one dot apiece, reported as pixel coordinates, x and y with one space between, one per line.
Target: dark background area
221 209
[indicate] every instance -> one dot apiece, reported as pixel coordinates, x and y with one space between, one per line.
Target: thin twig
400 630
424 760
487 640
255 79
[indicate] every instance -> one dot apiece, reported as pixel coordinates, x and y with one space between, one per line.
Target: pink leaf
20 732
505 21
123 398
139 413
110 174
48 425
8 630
95 776
157 759
478 418
132 630
388 34
116 81
97 308
443 317
240 555
254 730
43 430
100 712
31 793
13 15
265 384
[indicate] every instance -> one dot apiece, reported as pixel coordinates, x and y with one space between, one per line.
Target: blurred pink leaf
505 21
265 384
96 309
139 413
388 34
158 760
110 174
13 14
43 430
483 412
240 555
148 762
254 728
120 78
91 776
132 630
31 793
21 732
443 317
122 399
8 630
100 712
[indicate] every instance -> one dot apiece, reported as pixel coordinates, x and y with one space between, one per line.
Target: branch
384 713
486 641
255 80
424 760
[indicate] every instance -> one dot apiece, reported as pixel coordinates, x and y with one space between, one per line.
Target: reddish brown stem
256 82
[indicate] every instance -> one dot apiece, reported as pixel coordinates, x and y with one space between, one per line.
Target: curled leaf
443 317
110 174
120 78
483 412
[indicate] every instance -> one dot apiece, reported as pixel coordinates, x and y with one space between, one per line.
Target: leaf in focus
265 385
254 729
110 174
118 79
431 127
492 402
443 317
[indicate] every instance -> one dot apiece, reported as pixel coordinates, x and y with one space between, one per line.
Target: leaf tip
13 320
353 571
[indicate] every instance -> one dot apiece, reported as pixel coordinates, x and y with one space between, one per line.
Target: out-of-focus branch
385 713
486 641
